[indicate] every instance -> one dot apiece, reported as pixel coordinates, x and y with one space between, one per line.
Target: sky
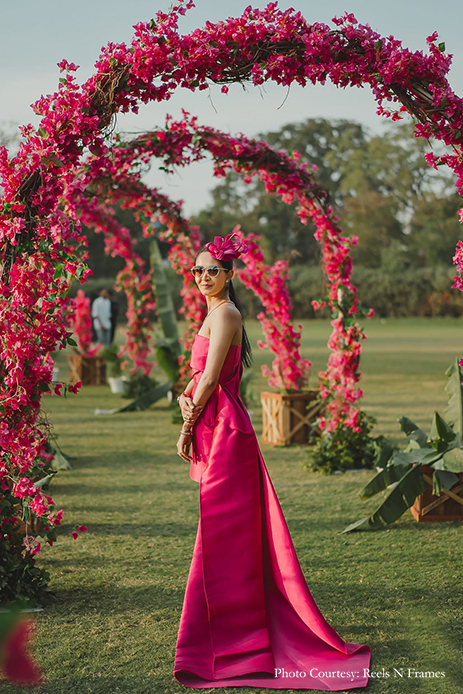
35 36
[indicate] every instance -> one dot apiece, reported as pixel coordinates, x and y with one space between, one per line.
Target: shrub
415 291
113 362
21 580
138 385
345 449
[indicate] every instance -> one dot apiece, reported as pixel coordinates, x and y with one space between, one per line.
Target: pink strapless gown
248 616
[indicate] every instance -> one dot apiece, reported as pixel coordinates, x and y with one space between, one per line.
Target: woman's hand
190 411
184 446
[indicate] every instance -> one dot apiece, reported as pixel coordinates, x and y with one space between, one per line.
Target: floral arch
115 178
38 235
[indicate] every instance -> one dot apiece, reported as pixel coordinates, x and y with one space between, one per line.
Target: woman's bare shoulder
226 319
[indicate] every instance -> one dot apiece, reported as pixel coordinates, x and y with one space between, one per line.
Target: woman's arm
223 328
189 387
190 411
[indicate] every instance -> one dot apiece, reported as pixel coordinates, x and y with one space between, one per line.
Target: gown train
248 617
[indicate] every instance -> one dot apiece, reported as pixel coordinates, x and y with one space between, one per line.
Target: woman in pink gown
248 617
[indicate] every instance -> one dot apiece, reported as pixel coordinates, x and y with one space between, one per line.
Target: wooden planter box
448 506
90 370
287 419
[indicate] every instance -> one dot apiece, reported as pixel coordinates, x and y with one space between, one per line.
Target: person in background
101 314
114 314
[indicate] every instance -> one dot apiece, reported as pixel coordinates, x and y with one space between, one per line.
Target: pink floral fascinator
226 249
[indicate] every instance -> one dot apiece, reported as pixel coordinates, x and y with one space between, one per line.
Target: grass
118 589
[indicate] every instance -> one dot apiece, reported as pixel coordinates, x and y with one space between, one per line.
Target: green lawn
119 588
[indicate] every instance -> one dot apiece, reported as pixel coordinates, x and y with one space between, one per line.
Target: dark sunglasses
213 270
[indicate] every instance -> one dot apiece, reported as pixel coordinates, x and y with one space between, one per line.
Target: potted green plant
428 474
113 368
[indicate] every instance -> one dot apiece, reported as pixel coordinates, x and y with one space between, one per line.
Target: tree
329 145
103 265
276 222
373 218
377 183
434 230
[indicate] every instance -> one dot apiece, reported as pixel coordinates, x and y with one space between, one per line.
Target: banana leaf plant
168 347
399 473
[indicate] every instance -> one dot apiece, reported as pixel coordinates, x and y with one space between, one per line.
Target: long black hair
246 351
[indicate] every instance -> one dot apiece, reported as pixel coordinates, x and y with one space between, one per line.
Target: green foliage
373 217
345 449
403 211
147 398
415 291
306 283
176 417
104 265
401 478
168 347
454 411
400 292
394 290
247 393
401 496
434 230
167 358
376 182
21 580
113 362
137 385
330 145
165 307
59 460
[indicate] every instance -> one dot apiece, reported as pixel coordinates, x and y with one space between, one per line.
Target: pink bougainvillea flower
80 529
68 155
80 321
